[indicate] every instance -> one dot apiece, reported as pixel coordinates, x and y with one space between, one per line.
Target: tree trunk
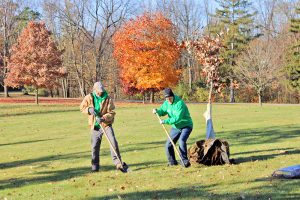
259 97
98 69
5 91
115 93
37 96
210 133
144 98
210 92
63 88
81 88
190 75
151 96
232 99
5 54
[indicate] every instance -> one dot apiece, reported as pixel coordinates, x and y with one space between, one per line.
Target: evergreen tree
25 16
293 57
235 22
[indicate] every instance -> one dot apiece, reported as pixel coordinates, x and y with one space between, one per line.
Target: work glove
154 111
161 121
99 119
92 111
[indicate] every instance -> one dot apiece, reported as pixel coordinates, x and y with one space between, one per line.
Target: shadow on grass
40 160
265 156
145 165
268 191
50 176
37 112
60 175
265 135
44 161
191 192
284 150
29 141
141 146
208 192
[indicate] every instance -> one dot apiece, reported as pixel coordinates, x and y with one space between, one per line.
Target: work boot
186 164
95 168
172 164
123 168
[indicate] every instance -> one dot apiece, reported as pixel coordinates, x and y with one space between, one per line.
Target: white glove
154 111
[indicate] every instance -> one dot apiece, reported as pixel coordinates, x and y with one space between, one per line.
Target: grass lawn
45 154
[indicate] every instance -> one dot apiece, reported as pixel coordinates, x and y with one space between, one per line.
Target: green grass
45 154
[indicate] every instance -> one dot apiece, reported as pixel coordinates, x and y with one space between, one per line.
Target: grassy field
45 154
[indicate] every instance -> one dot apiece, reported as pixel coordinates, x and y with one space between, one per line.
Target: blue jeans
182 135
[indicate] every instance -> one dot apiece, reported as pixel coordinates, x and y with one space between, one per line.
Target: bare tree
259 65
186 15
273 15
87 28
8 19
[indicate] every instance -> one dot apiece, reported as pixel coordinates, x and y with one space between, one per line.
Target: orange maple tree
35 59
146 50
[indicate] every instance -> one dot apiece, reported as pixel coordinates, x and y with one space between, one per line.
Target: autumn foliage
207 51
35 59
146 50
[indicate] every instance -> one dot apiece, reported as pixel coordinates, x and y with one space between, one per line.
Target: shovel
115 152
174 146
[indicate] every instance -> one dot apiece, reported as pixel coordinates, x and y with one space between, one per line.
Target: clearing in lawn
45 154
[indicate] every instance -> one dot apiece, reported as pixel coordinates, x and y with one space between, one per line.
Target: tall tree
188 19
236 22
259 65
8 14
85 31
35 59
26 15
146 50
293 56
13 18
97 20
207 51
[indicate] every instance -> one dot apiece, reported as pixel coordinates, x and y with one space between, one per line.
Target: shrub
43 92
182 90
201 95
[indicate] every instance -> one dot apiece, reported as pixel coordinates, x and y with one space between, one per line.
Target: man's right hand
154 111
92 111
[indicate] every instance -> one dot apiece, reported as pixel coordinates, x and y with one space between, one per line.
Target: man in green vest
100 110
182 125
